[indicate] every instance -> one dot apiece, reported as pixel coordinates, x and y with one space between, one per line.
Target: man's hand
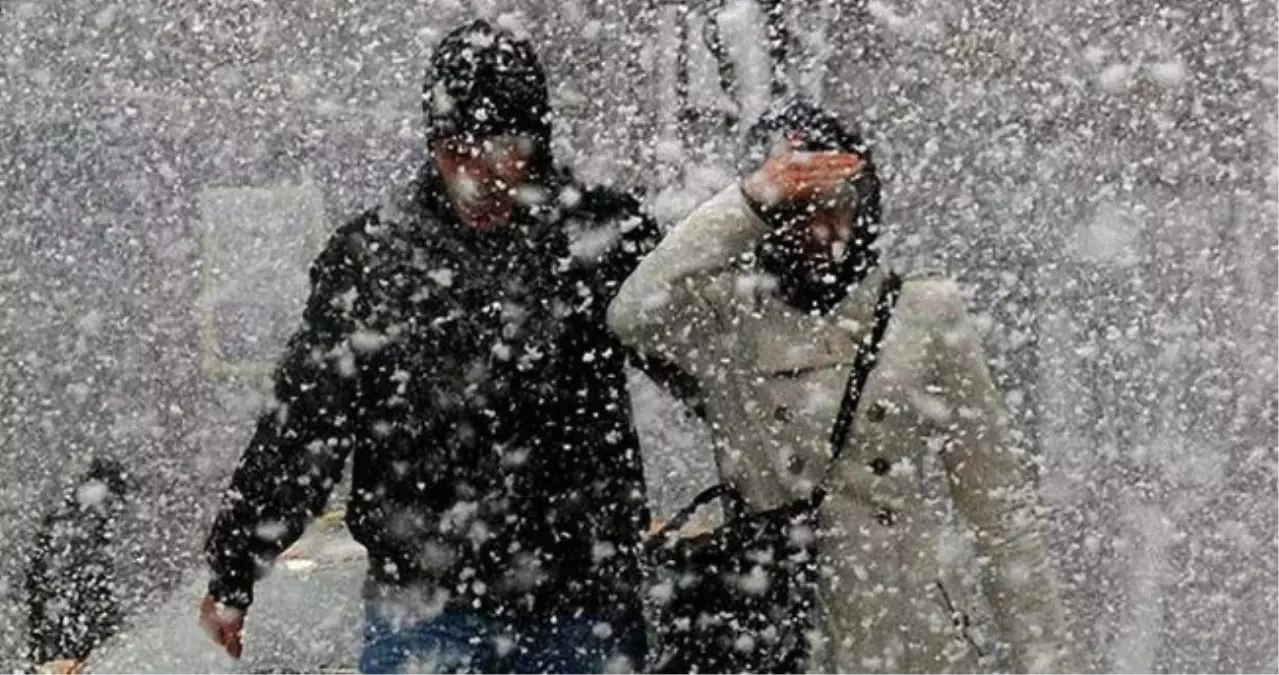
791 177
223 624
61 667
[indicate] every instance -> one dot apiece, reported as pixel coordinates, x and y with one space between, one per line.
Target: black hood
806 282
110 472
484 81
819 130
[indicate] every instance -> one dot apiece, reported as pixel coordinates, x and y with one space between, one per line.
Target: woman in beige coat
766 311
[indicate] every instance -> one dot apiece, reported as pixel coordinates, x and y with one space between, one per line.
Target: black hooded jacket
473 381
469 376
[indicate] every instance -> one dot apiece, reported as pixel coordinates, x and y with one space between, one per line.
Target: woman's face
820 224
828 231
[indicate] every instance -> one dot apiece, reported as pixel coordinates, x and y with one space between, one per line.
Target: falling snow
1099 176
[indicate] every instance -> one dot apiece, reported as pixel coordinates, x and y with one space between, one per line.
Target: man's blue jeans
460 640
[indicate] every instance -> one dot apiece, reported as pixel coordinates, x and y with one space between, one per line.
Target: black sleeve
295 458
639 235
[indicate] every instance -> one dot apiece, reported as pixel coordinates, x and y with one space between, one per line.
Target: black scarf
808 282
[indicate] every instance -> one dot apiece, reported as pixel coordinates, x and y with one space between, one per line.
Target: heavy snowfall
1099 177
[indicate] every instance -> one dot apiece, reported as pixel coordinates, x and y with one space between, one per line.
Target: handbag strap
889 291
710 494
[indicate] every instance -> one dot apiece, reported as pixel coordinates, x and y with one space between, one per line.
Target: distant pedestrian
71 577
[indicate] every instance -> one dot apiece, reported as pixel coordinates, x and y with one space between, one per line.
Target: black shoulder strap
889 290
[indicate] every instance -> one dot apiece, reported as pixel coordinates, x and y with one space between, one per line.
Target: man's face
482 176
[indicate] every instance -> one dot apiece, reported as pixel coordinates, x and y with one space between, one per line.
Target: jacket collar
855 315
794 341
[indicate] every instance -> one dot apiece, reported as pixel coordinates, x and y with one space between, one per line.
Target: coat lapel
789 341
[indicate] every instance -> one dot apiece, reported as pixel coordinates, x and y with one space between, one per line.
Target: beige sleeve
662 308
992 491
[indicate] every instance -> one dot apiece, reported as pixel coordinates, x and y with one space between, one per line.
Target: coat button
885 516
880 466
795 465
782 414
877 412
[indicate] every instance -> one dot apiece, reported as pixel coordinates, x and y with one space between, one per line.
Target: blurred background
1101 176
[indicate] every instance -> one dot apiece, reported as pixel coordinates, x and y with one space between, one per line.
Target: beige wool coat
928 441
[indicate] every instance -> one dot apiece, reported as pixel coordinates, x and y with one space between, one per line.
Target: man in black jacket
454 345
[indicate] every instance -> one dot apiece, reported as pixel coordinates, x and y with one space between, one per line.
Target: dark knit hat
811 128
484 81
110 472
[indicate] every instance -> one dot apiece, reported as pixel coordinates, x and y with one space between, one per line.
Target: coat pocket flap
791 356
